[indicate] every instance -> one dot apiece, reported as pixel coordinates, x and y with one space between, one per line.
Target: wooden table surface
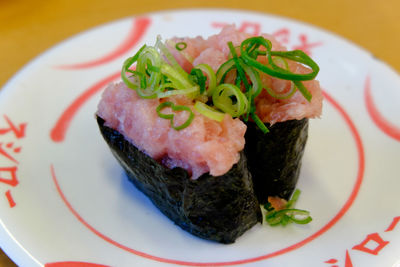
29 27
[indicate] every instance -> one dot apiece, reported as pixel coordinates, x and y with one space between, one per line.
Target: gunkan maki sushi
209 129
197 176
275 158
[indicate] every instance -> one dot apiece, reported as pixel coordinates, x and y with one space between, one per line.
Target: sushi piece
210 128
215 208
218 207
274 158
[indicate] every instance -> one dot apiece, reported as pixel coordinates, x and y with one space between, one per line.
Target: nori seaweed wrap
274 158
216 208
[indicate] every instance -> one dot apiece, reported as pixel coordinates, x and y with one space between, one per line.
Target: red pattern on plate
19 131
8 173
58 132
331 261
383 124
73 264
333 221
366 245
348 262
10 199
253 28
374 239
393 224
138 30
12 180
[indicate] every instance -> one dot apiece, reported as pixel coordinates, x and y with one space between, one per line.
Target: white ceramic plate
64 198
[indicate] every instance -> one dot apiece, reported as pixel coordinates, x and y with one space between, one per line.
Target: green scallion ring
197 77
181 46
146 93
190 92
171 116
292 201
239 68
259 122
229 99
170 58
208 111
274 70
179 81
127 64
224 69
212 79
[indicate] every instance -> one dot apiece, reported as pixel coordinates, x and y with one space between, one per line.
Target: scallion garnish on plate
286 215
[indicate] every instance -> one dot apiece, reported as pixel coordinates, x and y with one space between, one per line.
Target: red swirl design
57 134
383 124
137 31
73 264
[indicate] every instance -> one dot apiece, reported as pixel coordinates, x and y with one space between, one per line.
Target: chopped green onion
303 214
229 99
254 76
303 58
276 71
238 66
179 81
153 68
280 62
252 93
171 58
158 75
259 123
209 112
284 216
190 91
171 116
148 55
292 201
293 88
287 215
224 69
303 90
148 62
127 64
180 46
212 79
170 43
146 93
141 76
268 207
197 76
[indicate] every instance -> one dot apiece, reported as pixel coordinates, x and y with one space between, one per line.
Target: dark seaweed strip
274 159
215 208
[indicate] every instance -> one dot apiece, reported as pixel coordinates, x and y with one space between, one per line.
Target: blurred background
29 27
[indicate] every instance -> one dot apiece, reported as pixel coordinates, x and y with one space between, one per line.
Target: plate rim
8 86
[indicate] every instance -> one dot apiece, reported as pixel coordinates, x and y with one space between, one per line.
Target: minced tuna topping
204 146
214 52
